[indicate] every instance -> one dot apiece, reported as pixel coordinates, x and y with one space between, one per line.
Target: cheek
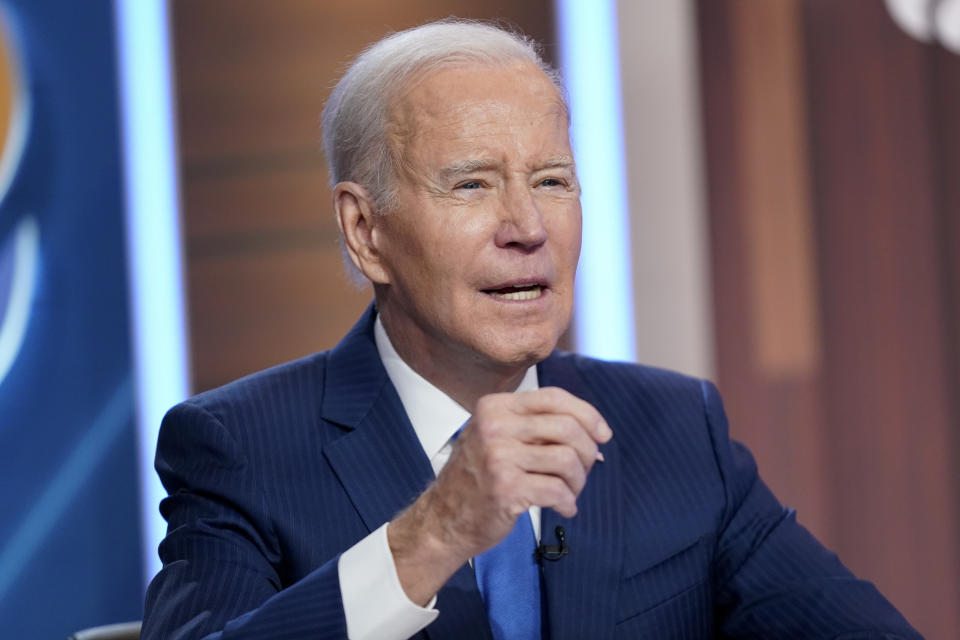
575 237
567 239
460 244
441 268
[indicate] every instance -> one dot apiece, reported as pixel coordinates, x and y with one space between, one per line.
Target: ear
357 219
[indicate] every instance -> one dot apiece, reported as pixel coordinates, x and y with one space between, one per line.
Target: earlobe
357 220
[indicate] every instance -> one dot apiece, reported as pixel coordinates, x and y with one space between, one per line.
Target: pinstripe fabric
273 476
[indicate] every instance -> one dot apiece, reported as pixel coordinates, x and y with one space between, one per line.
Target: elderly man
444 471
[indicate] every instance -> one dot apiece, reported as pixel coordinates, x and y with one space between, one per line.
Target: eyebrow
559 162
483 164
468 166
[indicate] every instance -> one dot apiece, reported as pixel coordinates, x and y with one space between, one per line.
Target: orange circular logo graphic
14 104
9 86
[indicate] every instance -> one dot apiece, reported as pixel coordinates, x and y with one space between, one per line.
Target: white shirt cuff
374 603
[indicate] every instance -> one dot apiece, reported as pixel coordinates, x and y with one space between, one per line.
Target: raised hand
517 450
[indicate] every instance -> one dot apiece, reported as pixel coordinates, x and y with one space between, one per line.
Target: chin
522 351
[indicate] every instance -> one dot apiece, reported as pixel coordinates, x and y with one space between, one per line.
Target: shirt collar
435 416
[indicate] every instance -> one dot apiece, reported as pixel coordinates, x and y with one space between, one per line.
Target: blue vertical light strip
589 61
153 239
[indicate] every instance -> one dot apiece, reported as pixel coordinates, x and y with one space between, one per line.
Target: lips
517 291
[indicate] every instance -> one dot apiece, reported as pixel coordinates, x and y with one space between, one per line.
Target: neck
461 374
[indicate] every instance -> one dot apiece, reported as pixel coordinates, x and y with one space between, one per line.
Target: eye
551 182
472 184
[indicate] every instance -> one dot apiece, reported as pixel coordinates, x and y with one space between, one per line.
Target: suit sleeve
220 556
773 579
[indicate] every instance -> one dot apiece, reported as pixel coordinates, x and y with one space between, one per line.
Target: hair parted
354 120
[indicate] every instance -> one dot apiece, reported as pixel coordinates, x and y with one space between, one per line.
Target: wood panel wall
833 157
264 274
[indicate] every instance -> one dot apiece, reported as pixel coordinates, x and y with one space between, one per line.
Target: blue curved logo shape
19 231
18 280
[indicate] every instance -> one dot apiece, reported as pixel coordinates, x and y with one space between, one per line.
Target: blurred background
783 177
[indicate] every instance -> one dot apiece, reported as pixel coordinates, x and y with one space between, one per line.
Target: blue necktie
509 582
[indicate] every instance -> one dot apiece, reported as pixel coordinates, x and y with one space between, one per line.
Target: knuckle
496 427
569 458
498 461
560 492
578 481
492 402
493 458
484 404
577 431
554 393
590 451
487 427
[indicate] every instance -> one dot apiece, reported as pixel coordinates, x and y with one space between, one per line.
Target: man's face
481 251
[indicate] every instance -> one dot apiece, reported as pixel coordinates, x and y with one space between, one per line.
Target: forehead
482 106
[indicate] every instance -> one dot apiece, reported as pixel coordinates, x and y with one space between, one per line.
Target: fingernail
600 457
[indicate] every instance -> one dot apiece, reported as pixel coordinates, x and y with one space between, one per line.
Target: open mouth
518 292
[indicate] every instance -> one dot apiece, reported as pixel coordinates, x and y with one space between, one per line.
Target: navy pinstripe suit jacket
271 477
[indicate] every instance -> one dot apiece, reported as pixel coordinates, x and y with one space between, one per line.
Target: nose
521 224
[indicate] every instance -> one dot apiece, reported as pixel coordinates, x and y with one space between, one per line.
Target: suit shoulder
604 375
636 396
297 383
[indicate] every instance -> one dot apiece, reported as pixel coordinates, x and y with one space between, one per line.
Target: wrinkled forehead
454 98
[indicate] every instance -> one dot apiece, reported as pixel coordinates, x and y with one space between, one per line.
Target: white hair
355 137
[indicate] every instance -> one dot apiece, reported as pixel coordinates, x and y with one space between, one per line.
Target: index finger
557 400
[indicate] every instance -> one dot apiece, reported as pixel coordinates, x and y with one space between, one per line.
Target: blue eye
473 184
550 182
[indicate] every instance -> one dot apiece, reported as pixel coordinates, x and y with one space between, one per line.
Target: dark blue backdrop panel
69 529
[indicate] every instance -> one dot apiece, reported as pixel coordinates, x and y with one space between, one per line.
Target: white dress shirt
374 603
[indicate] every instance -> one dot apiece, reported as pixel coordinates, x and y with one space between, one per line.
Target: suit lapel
382 466
581 588
379 462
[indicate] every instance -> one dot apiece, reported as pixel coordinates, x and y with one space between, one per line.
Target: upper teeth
528 292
